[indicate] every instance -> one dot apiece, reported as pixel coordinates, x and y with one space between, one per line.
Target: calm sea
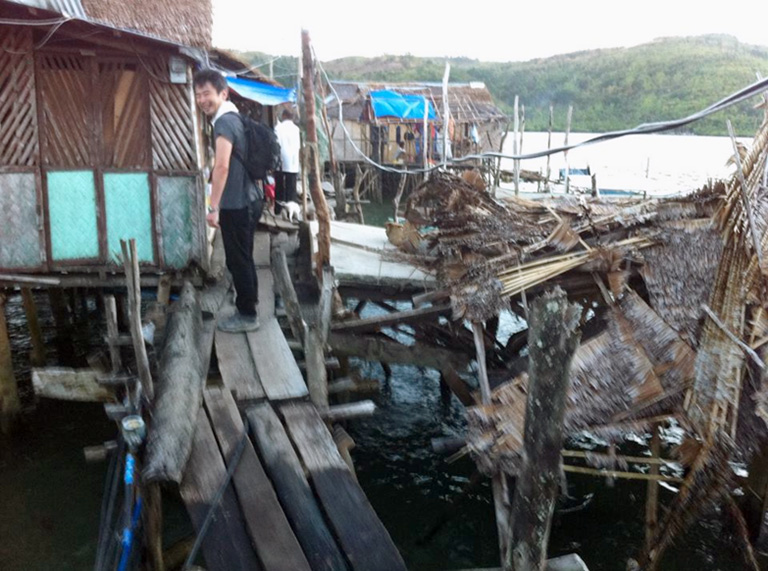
657 164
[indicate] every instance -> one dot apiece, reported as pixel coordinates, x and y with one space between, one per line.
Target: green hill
610 89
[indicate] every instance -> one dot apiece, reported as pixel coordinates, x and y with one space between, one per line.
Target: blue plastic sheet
392 104
262 93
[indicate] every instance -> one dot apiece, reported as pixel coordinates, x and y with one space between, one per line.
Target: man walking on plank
232 196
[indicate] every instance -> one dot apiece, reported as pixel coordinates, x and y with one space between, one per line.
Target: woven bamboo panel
171 111
72 215
179 220
129 213
124 115
19 235
64 84
18 114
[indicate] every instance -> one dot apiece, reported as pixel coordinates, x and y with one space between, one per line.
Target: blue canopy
392 104
262 93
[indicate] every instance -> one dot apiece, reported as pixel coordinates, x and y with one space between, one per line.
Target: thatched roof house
379 115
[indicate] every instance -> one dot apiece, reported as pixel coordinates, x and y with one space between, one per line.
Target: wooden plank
279 374
225 546
70 384
266 307
262 243
238 371
363 537
269 530
284 468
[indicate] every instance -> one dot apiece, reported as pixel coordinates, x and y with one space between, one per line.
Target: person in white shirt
289 137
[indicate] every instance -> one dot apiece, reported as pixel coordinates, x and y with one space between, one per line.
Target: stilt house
377 117
100 139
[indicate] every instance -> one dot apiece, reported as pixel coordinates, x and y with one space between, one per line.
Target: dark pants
285 189
237 227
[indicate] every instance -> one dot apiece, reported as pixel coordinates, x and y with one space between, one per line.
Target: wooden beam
285 287
397 318
131 265
382 348
347 411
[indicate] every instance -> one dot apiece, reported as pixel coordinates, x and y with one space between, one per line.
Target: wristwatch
212 209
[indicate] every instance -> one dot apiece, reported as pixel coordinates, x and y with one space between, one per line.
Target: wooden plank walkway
292 502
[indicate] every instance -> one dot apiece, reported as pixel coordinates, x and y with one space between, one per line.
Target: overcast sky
488 30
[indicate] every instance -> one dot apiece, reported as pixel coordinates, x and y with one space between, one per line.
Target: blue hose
132 515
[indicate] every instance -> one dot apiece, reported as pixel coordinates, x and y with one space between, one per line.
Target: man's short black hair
215 78
287 114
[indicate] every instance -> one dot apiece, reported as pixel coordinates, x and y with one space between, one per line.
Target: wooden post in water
9 391
321 206
37 355
515 148
399 195
553 337
565 154
547 187
356 193
652 495
315 342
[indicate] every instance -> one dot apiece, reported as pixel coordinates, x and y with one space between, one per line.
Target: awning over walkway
387 103
262 93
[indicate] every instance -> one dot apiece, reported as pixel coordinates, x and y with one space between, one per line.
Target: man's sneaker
239 323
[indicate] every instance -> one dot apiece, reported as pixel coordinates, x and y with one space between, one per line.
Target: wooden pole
547 187
110 311
133 281
37 355
425 138
315 342
399 195
515 146
565 154
446 116
553 337
321 206
182 373
485 387
356 193
10 405
652 494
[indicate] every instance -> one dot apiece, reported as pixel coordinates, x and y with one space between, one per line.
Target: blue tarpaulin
392 104
262 93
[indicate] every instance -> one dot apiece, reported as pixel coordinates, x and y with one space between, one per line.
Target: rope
234 461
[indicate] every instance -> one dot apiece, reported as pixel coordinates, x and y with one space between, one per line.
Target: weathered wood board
226 546
279 374
284 468
363 537
69 384
238 371
267 525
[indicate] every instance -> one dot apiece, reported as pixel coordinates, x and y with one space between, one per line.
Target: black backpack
263 149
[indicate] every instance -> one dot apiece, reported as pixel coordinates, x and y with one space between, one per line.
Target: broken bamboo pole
552 338
10 405
315 340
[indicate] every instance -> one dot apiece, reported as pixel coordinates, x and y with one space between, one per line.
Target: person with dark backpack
236 200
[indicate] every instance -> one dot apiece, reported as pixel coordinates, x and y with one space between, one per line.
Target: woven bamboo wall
173 139
66 88
18 112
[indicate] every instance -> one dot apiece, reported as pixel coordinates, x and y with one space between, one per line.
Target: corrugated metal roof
73 8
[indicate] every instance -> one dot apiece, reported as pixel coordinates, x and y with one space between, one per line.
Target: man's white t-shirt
289 137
